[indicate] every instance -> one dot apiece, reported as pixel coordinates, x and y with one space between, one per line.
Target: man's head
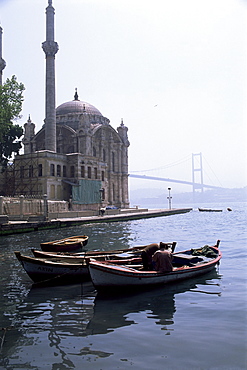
165 246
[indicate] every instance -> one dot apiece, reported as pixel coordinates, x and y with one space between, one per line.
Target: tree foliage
11 99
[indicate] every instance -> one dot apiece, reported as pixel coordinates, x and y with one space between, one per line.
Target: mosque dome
77 106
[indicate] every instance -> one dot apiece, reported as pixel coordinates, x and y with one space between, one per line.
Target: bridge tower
197 171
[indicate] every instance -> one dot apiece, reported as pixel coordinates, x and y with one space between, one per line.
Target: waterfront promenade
70 219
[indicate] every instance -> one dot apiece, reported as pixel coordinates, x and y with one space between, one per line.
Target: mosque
77 155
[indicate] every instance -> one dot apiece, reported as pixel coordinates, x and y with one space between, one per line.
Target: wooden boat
70 244
130 252
186 264
53 271
209 210
121 254
67 268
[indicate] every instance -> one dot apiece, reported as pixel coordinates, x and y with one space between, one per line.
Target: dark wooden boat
53 271
209 210
69 244
186 264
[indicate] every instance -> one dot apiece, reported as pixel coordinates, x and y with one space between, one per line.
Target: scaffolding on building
21 177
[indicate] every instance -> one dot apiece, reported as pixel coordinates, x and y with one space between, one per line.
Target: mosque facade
77 155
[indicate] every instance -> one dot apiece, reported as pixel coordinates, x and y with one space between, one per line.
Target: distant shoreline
18 227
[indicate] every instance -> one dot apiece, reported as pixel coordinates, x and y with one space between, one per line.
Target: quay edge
19 227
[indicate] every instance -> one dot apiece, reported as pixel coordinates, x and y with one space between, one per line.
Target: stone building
77 155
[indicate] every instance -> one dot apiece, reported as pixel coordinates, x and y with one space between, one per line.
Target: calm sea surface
198 324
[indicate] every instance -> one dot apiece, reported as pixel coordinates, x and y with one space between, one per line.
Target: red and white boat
186 264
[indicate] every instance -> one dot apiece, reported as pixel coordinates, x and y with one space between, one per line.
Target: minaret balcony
50 48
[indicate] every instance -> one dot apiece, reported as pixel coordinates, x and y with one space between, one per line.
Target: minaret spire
76 97
50 48
2 61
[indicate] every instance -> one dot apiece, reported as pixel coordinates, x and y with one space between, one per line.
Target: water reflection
60 316
111 313
102 236
48 314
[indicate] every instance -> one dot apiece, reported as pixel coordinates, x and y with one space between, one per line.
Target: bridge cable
172 164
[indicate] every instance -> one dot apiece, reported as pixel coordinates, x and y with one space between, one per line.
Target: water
198 324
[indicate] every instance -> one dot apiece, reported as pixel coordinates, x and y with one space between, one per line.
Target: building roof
77 106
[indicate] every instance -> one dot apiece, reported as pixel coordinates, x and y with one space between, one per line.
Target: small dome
77 106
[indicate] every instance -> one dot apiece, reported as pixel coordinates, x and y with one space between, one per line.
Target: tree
11 99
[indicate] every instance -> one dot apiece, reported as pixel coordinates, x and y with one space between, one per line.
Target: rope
3 337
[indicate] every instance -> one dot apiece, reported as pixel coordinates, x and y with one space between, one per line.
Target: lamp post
169 198
100 199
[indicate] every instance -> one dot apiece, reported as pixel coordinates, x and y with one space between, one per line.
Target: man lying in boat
150 250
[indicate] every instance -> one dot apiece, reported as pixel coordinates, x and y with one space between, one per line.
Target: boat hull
51 272
209 210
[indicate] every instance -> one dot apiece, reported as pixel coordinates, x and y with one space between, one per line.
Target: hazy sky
175 71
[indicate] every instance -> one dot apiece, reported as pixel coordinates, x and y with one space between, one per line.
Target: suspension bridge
197 172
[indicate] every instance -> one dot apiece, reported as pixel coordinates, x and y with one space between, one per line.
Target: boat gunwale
45 262
92 253
68 240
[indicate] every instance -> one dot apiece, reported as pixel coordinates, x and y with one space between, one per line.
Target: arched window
113 161
95 173
104 155
40 170
52 194
102 175
89 172
64 171
52 170
72 171
82 171
30 171
113 192
59 192
58 170
94 152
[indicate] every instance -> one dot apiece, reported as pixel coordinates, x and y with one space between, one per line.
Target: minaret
2 61
50 48
123 133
